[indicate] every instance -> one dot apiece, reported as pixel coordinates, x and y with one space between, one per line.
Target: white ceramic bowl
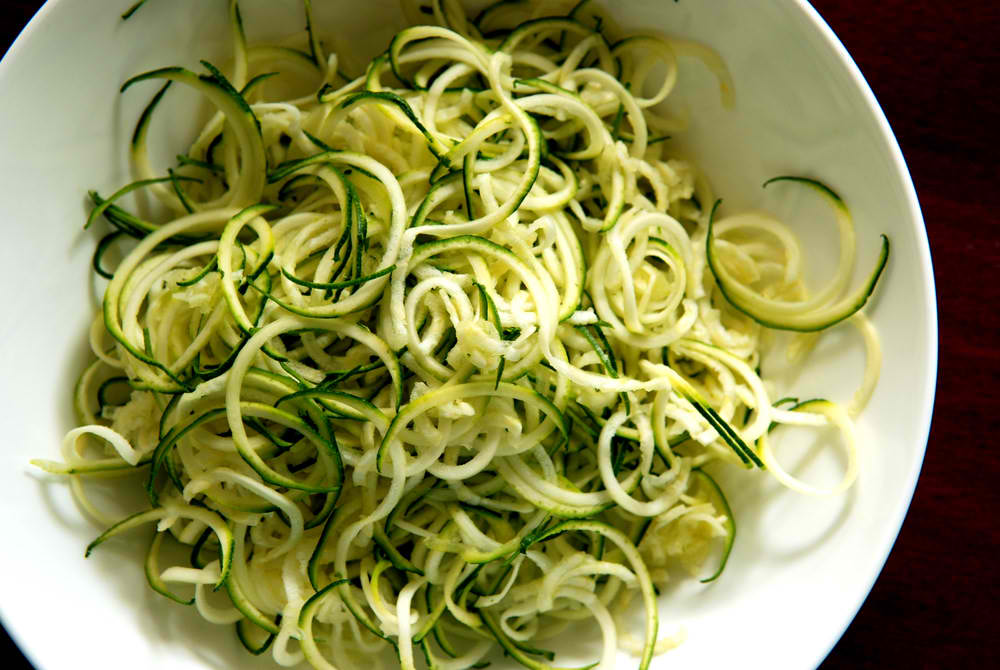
801 566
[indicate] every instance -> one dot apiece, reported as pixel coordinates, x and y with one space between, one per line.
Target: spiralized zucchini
431 359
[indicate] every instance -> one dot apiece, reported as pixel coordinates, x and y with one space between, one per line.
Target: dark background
933 65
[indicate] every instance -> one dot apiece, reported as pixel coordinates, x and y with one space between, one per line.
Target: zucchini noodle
431 359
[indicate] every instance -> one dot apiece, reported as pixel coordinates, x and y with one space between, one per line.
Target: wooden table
934 66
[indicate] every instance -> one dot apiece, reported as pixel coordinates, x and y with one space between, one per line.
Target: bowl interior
801 566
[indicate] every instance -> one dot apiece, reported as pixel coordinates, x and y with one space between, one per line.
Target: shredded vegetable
435 360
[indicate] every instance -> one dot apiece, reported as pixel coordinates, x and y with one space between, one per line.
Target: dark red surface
933 65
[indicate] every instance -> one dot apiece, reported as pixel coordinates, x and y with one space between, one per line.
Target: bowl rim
926 403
